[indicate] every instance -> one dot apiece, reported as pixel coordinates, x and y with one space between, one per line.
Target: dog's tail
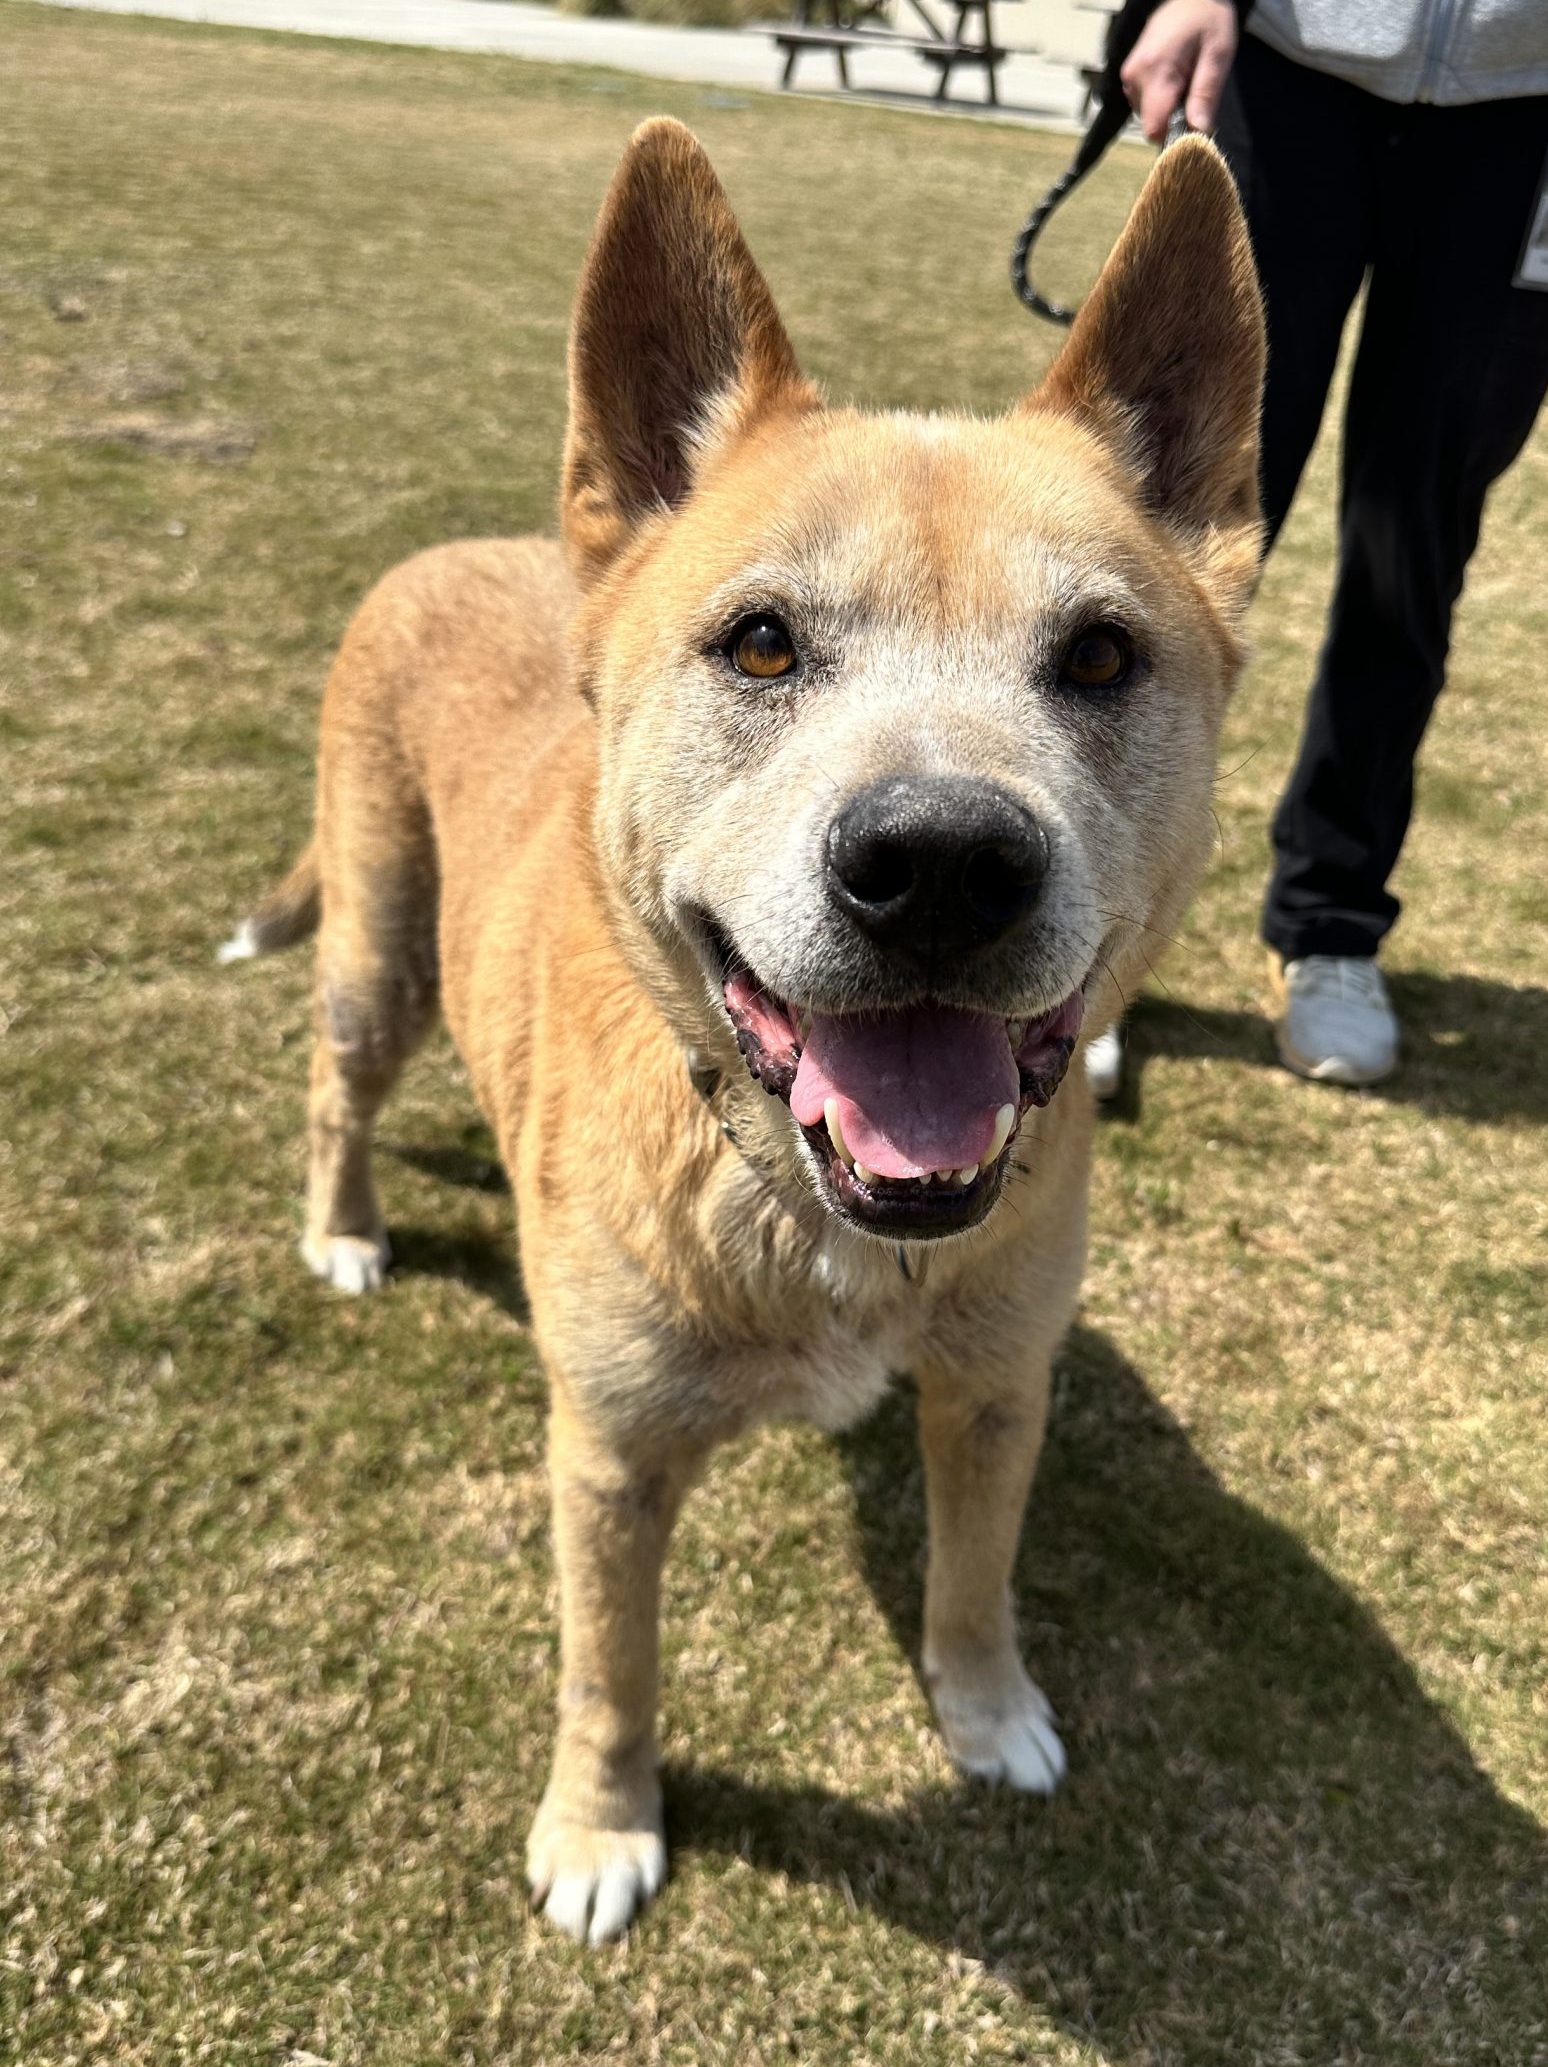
288 915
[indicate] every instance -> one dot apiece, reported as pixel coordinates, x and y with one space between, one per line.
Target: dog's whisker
1225 775
1173 940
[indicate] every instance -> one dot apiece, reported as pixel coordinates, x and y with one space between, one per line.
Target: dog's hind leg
376 999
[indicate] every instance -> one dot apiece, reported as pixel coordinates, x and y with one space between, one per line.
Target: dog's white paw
349 1262
590 1883
1010 1737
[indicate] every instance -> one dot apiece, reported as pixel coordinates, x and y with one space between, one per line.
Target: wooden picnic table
845 25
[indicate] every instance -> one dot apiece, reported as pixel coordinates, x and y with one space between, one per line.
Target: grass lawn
276 1600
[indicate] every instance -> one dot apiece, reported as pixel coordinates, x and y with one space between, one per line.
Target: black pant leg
1451 369
1305 152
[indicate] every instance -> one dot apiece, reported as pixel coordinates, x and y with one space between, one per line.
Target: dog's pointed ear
1165 360
674 334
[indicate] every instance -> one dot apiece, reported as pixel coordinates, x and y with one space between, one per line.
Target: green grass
276 1599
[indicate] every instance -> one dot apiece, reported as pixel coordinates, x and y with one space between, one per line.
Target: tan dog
768 851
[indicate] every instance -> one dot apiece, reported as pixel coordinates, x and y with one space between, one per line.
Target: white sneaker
1338 1025
1104 1064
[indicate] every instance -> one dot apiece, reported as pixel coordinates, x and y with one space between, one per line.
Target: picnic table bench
858 25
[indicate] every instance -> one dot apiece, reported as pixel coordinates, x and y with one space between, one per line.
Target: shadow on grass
1472 1048
1271 1847
488 1263
472 1163
486 1260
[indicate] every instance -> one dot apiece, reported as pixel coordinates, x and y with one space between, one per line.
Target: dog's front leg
981 1442
596 1852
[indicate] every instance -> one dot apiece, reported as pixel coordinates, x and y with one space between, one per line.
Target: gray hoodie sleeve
1446 51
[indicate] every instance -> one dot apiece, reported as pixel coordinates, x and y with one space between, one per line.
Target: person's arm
1182 59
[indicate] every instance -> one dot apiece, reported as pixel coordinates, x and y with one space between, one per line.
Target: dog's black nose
935 865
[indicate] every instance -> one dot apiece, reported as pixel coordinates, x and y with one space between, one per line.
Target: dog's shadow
465 1248
1272 1845
1472 1047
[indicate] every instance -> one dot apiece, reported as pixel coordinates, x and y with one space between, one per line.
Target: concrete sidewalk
1032 88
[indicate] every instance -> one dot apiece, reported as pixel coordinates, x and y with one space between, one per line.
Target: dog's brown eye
761 646
1099 658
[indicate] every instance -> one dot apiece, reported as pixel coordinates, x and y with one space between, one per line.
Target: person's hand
1184 50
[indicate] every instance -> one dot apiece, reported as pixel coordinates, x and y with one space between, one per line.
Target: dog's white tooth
1016 1029
967 1176
866 1177
804 1026
830 1113
1004 1120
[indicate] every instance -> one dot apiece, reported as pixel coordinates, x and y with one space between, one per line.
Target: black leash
1112 112
1104 127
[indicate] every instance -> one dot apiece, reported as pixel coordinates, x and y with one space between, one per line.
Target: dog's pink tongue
917 1090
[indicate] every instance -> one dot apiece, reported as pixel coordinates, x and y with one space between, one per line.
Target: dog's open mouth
909 1113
